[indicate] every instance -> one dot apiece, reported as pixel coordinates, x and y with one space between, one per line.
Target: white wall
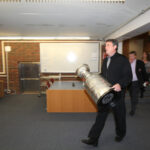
120 47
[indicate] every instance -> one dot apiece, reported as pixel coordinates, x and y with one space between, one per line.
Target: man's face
110 48
132 57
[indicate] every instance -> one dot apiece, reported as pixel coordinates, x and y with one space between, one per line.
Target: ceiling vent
62 1
10 1
103 1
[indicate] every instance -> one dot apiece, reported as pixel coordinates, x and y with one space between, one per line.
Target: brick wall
21 52
0 57
1 67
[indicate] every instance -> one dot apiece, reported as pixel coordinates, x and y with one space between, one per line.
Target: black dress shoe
131 113
118 138
141 96
90 141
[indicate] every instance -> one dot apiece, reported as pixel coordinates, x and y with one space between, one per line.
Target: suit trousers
119 112
134 91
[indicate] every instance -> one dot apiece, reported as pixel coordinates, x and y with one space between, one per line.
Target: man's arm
144 74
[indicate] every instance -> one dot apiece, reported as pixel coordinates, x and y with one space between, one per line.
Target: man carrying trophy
117 71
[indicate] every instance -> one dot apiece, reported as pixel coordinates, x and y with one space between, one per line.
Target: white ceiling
40 18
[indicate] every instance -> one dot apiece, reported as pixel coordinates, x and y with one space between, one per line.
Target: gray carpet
25 125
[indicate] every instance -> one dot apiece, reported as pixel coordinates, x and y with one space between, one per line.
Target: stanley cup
95 85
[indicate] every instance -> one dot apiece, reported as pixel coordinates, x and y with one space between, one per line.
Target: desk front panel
69 101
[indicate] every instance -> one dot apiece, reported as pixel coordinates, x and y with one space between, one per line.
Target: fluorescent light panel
44 38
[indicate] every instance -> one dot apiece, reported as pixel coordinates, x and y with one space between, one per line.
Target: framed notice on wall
67 57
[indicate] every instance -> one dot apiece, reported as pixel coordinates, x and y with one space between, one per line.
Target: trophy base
107 98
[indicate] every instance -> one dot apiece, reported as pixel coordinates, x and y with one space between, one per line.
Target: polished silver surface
96 86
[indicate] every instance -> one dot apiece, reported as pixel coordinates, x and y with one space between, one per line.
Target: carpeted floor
25 125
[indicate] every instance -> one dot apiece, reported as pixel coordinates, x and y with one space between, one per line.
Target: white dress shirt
133 66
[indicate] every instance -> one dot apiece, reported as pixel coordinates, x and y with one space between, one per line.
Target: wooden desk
69 100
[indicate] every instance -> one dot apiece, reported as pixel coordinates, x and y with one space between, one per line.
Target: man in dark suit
139 78
116 70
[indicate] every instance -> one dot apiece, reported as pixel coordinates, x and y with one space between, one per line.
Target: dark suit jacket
119 70
141 72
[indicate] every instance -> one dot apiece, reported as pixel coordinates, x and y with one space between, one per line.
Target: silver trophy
95 85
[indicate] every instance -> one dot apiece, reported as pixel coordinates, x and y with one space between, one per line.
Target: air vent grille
10 1
62 1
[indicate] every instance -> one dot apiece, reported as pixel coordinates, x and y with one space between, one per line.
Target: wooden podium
63 97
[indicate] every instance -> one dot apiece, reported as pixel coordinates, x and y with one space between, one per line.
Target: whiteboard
67 57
